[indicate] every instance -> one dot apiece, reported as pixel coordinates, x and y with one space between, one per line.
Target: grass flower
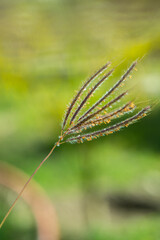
80 124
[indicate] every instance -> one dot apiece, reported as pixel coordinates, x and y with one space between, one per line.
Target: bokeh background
105 189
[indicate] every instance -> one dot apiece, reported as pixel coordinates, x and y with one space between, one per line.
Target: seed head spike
100 110
127 108
90 94
113 128
81 91
110 91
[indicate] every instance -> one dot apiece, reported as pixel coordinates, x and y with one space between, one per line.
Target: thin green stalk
26 184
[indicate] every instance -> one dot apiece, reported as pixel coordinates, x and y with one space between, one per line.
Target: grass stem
26 184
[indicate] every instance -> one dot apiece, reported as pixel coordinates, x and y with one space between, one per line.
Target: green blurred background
47 48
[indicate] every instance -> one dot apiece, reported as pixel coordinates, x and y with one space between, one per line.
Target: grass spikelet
101 109
89 95
97 117
111 129
127 108
81 91
107 94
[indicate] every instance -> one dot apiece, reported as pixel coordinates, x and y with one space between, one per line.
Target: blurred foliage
47 47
